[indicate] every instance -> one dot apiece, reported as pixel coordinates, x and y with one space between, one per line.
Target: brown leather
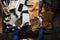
0 25
47 16
35 23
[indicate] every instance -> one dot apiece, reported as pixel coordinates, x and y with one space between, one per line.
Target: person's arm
23 24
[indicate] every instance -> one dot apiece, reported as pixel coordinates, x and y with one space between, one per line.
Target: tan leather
33 8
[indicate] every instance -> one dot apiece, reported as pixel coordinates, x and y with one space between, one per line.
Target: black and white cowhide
18 10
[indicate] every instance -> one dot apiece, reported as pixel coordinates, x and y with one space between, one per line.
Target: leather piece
1 25
33 7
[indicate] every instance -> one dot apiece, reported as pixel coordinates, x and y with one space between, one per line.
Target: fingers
23 24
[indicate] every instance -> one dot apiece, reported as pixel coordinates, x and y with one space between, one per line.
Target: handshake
21 25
